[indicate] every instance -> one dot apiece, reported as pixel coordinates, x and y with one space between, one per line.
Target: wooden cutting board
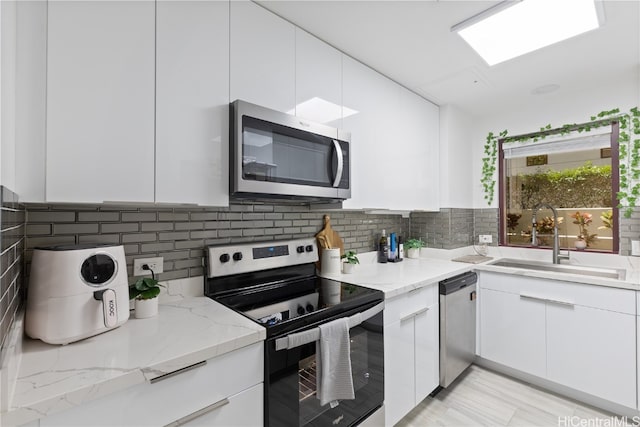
328 238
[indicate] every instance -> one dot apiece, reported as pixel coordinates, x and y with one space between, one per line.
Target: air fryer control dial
98 269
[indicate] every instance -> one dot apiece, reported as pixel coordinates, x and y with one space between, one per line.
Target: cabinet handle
552 301
178 372
423 310
199 413
555 301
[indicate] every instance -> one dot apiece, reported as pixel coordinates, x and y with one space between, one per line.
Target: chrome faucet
556 238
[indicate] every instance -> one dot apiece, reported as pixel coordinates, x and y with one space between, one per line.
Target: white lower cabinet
513 331
242 409
592 350
225 391
411 351
579 336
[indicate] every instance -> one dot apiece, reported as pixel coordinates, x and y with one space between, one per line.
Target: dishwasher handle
458 282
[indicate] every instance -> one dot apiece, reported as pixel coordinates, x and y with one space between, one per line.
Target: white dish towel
333 362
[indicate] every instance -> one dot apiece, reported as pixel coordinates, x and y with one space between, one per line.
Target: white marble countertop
435 264
51 378
398 278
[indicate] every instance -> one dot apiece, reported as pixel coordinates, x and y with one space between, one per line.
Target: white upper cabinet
394 142
318 80
372 96
262 57
100 101
415 154
192 102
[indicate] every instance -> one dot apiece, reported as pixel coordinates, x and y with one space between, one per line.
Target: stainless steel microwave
275 155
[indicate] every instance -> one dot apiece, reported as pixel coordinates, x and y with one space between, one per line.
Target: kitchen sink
609 273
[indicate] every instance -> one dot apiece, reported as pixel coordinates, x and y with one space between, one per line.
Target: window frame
615 182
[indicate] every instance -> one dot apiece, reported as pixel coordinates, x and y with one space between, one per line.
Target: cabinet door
100 101
512 331
427 332
416 132
192 103
375 99
262 57
592 350
318 80
399 371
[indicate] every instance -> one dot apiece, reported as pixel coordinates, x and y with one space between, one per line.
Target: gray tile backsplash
629 230
180 234
448 229
12 243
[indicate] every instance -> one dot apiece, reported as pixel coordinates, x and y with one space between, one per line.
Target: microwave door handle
338 177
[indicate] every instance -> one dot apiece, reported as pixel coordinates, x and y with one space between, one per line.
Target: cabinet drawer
244 409
172 398
547 290
410 303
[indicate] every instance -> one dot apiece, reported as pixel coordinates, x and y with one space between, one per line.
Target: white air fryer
76 291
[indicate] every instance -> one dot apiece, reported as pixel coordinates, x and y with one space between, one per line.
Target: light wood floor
484 398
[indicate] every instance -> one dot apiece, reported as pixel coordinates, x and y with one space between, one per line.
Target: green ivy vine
489 162
629 152
629 141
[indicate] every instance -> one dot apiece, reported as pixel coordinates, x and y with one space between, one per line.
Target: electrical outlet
154 263
485 238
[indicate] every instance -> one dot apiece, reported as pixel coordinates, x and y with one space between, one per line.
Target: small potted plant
582 220
413 247
145 292
349 261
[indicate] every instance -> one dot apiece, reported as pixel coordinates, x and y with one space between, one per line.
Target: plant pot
413 253
145 308
580 244
348 268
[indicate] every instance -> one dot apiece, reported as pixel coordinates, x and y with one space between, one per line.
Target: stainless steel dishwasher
457 325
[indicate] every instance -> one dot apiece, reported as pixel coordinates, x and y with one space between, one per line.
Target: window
575 173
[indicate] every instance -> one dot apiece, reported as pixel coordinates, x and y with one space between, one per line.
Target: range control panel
248 257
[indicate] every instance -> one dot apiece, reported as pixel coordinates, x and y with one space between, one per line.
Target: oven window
291 399
275 153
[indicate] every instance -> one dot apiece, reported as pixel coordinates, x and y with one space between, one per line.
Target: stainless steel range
275 284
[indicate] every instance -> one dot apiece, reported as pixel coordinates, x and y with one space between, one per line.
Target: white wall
557 109
456 163
7 92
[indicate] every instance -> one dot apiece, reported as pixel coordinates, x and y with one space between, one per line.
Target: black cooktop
286 299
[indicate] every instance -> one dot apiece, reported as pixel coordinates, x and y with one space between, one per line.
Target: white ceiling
411 42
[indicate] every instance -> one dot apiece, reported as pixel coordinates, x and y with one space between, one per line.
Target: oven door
279 154
290 381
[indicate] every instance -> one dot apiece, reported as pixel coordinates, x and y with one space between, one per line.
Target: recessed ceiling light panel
526 26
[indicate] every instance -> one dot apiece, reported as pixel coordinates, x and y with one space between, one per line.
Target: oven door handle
305 337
